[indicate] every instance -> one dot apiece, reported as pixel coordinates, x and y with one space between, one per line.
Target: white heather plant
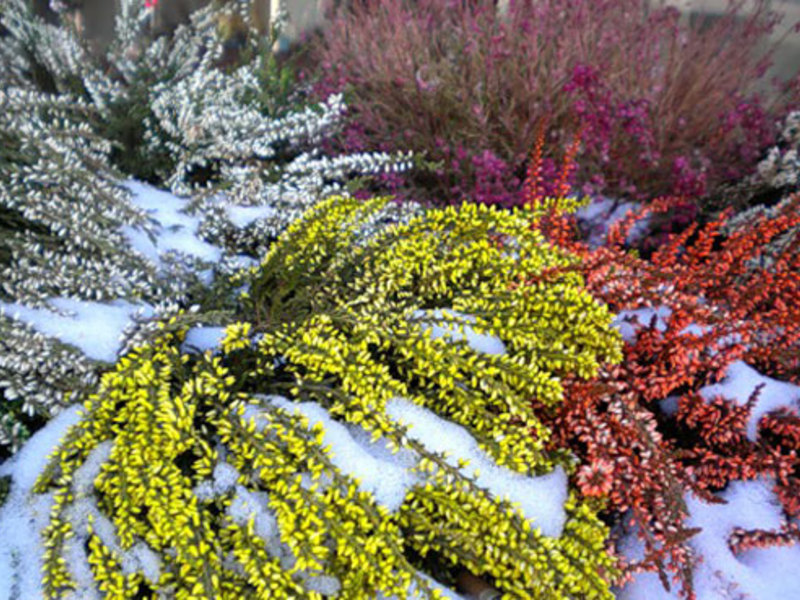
780 172
74 127
190 126
62 207
774 179
37 372
62 216
781 167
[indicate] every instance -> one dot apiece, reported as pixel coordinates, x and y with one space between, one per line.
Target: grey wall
787 56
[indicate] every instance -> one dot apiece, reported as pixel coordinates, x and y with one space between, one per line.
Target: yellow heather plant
193 476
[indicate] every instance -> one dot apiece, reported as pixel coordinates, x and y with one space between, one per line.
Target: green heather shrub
357 331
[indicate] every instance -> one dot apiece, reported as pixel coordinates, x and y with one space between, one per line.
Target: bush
74 126
709 297
776 176
149 485
62 217
662 106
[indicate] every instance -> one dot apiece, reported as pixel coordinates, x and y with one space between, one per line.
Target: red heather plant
729 295
667 107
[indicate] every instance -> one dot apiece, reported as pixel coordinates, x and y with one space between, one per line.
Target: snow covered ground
759 574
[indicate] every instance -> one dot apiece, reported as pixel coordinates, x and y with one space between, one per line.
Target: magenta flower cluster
662 106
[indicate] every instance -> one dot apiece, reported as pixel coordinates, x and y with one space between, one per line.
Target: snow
246 505
142 558
389 478
763 574
242 261
378 472
479 342
740 382
323 584
24 467
599 215
242 216
447 593
23 516
6 575
201 339
629 321
225 477
94 327
174 229
541 498
84 476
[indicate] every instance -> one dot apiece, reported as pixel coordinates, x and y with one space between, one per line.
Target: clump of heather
75 127
715 301
662 105
780 169
776 176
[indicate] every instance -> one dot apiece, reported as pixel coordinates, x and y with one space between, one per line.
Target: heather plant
776 176
781 167
170 110
715 295
62 216
39 374
183 114
62 207
663 105
209 475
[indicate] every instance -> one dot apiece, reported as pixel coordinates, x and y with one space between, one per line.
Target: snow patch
242 216
446 592
387 478
599 215
629 321
174 229
762 573
246 505
84 476
541 499
740 382
200 339
23 516
480 342
94 327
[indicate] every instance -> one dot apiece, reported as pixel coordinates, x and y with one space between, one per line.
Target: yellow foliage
346 320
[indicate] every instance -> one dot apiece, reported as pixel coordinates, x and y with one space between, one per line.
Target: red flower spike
533 179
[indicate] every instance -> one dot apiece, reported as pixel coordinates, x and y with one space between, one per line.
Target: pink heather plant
664 106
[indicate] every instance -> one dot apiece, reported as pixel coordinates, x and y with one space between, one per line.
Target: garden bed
355 332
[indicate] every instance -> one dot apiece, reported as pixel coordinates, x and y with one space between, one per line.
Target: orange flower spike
563 187
533 177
